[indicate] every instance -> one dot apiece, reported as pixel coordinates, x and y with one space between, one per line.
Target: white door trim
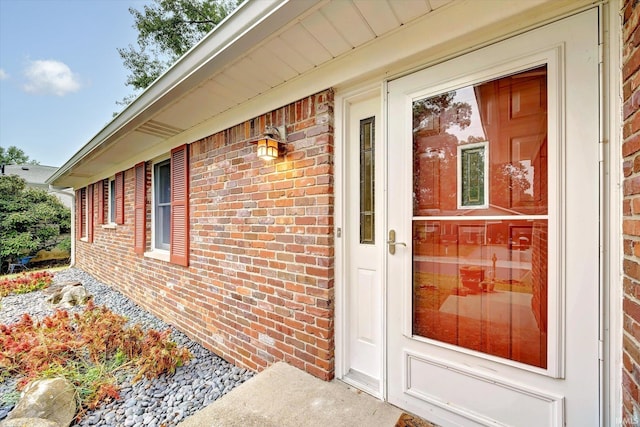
611 108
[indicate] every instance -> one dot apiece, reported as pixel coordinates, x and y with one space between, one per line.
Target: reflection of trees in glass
510 181
436 149
440 112
471 139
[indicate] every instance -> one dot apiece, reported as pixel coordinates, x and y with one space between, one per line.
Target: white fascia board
251 23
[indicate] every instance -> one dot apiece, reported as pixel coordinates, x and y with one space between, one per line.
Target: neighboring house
36 177
445 226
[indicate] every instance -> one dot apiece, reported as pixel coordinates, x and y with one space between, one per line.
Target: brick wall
259 286
631 211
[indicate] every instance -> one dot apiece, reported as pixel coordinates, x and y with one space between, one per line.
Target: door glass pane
367 182
502 122
480 217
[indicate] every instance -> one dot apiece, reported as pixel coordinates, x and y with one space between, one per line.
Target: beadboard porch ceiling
264 45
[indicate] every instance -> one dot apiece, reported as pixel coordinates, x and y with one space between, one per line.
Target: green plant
65 245
30 218
92 383
92 350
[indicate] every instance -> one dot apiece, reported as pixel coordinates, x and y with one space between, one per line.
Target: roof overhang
269 53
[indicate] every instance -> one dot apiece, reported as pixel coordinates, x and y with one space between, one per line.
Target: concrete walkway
283 396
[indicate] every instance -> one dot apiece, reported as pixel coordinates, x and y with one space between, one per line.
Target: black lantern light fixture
271 143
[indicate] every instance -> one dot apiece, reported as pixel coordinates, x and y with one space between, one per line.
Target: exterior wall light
271 143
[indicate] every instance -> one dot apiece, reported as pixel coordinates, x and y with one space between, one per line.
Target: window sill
110 226
159 255
84 239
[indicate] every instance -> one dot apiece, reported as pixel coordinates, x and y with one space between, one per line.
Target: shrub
30 218
65 245
25 283
89 349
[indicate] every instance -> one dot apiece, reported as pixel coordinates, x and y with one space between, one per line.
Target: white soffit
313 34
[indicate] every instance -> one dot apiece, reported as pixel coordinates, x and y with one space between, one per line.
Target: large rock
52 399
28 422
68 294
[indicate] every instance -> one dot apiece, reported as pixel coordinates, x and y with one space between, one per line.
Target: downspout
60 190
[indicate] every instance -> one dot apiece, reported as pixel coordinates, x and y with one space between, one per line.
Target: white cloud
50 77
3 74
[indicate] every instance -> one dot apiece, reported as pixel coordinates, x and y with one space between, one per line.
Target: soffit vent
159 129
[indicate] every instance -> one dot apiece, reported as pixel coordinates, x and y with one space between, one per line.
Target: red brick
631 145
631 227
632 309
632 124
631 64
631 186
245 274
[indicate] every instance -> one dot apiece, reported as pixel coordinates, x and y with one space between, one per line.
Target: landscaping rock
202 380
68 294
28 422
51 399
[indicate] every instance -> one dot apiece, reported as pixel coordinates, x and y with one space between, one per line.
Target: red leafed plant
24 283
90 349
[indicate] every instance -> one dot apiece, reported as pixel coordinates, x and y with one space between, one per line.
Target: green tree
15 156
30 219
167 29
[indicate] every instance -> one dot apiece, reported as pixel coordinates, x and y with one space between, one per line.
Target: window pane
508 116
162 201
482 285
367 180
163 224
163 187
112 201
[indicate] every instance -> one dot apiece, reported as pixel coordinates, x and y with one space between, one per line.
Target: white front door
493 287
364 243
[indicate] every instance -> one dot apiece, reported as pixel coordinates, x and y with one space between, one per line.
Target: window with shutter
162 205
89 212
140 209
179 248
119 190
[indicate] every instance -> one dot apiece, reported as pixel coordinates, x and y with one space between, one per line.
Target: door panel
365 243
493 302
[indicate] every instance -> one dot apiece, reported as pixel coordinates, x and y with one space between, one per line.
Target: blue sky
60 72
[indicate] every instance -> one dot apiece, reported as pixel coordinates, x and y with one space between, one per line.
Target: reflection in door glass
480 217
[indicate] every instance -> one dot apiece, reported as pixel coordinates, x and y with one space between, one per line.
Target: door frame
611 211
342 101
611 197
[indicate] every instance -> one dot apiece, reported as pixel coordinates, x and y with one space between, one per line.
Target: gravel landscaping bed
163 401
